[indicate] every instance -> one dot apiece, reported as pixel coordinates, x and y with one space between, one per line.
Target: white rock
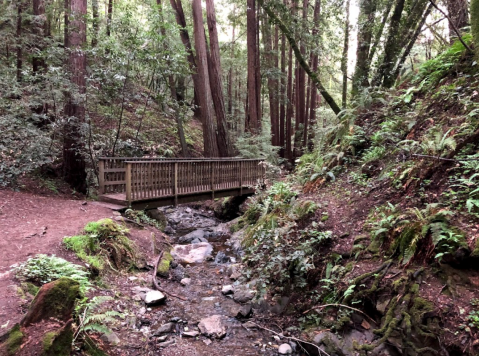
213 326
154 297
227 289
285 349
185 281
193 253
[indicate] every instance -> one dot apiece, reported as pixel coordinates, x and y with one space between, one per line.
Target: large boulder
213 326
194 253
54 300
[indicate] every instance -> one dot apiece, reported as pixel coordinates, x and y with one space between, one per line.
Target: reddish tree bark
224 146
289 111
73 142
204 92
39 29
283 100
109 17
253 123
314 66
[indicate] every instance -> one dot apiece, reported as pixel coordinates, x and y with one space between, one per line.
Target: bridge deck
149 183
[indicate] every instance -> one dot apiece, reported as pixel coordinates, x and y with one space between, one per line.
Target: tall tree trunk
458 13
379 32
367 9
230 72
253 123
19 41
475 24
39 29
95 22
172 85
283 98
271 65
66 19
224 145
289 111
73 140
109 17
312 111
204 91
344 59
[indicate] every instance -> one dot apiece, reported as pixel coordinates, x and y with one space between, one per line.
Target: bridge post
241 177
101 177
128 183
175 182
212 179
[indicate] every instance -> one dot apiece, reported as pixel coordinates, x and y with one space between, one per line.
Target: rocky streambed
213 313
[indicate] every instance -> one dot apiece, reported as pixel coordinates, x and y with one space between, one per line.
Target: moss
325 218
164 265
58 343
14 341
30 288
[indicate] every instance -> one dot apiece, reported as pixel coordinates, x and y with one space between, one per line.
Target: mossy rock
58 343
13 341
164 265
30 288
54 300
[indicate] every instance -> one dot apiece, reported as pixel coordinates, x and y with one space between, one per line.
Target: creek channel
218 315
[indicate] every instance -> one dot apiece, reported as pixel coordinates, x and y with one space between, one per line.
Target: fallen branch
339 306
156 284
291 338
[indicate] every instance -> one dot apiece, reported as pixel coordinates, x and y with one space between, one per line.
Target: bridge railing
146 179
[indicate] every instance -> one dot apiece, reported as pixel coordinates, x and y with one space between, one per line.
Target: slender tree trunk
204 92
283 98
66 19
312 111
289 111
73 141
458 13
367 9
271 65
253 115
224 145
38 63
95 22
109 17
379 33
230 72
344 60
475 24
19 41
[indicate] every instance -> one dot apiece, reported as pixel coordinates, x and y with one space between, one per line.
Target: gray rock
188 238
285 349
228 289
213 326
221 258
192 333
196 253
154 297
233 272
250 325
111 338
242 311
185 282
243 294
178 273
169 230
162 338
166 343
175 319
165 329
199 240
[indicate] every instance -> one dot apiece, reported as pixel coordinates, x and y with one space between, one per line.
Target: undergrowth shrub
103 244
43 269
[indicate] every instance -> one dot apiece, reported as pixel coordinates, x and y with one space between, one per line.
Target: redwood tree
204 92
253 120
74 112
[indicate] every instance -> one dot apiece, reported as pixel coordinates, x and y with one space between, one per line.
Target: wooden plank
101 177
175 182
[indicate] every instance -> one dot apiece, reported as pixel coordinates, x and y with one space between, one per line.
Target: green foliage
466 183
43 269
104 242
303 208
432 71
91 319
437 143
141 217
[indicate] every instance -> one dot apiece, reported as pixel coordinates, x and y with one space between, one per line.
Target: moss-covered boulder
54 300
164 265
58 342
11 341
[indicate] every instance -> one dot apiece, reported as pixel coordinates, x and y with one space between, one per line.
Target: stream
218 316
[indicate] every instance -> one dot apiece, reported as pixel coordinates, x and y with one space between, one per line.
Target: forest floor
32 223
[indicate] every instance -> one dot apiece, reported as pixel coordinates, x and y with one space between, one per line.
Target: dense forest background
83 79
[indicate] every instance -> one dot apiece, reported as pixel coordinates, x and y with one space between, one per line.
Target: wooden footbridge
147 183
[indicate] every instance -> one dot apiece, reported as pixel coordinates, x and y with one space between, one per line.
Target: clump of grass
103 244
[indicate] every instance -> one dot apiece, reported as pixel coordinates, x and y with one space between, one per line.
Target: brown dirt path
23 219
